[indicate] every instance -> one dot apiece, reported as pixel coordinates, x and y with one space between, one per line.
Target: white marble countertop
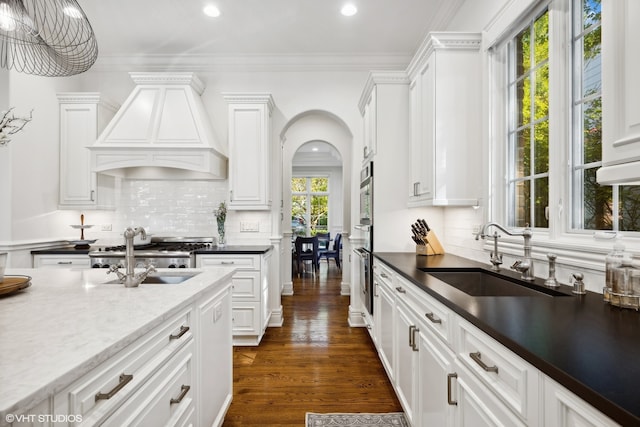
69 321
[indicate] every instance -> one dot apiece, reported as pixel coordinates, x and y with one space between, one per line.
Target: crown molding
253 63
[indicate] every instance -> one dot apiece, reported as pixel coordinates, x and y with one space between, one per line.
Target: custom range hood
162 131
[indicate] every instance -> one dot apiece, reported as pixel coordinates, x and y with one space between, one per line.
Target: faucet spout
130 279
524 265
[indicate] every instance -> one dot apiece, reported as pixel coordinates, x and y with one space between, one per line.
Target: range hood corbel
162 131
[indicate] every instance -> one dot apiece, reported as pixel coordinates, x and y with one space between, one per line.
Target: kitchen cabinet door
476 406
369 121
565 409
386 327
407 374
620 89
249 151
435 363
82 118
446 127
215 382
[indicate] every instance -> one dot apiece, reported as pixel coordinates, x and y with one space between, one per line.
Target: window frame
577 247
309 194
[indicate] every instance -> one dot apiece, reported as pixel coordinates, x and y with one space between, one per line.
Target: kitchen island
578 341
75 345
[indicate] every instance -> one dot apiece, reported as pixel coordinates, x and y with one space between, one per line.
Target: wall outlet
249 226
106 227
476 228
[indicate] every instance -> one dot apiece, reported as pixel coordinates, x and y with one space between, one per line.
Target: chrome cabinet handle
450 401
375 289
433 318
65 262
399 289
227 262
93 195
185 389
384 276
476 358
183 330
123 381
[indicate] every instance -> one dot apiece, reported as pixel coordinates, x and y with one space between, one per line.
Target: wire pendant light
50 38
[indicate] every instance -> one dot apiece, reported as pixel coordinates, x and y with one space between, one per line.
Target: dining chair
323 241
304 253
335 252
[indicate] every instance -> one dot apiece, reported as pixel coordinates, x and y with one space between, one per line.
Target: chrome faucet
130 278
524 265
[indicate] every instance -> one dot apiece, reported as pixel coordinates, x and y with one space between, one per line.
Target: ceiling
277 28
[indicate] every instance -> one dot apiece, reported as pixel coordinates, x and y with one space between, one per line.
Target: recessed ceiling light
349 9
211 10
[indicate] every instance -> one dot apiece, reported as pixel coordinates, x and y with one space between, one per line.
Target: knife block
431 246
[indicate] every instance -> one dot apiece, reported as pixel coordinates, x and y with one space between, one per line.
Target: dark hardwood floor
314 363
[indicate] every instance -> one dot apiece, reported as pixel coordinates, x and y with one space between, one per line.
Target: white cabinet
407 374
369 110
249 150
82 118
177 374
435 365
215 382
61 261
384 316
384 120
620 89
447 372
251 311
445 96
565 409
511 382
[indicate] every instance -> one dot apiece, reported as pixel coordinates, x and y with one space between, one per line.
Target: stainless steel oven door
366 280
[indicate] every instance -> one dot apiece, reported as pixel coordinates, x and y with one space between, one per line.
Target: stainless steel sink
161 278
484 283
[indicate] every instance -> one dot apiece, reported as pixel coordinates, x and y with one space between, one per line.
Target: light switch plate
249 226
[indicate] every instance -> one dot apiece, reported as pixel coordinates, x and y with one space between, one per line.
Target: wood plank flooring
314 363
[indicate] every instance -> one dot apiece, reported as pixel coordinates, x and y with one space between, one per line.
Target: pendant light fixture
49 38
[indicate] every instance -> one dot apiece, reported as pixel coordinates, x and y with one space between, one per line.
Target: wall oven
366 227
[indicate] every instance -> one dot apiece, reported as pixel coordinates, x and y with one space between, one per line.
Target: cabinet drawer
246 318
62 261
436 316
510 378
246 285
241 262
384 273
165 398
102 390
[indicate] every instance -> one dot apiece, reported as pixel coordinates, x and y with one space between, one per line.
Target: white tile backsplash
178 208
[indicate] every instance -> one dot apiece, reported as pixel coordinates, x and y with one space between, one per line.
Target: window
528 135
595 207
553 124
309 205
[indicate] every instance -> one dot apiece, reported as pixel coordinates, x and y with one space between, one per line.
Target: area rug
393 419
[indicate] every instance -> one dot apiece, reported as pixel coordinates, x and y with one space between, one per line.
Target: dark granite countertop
62 250
235 250
226 250
580 341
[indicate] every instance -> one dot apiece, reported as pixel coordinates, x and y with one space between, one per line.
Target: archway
305 128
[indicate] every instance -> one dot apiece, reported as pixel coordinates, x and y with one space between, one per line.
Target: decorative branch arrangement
10 125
